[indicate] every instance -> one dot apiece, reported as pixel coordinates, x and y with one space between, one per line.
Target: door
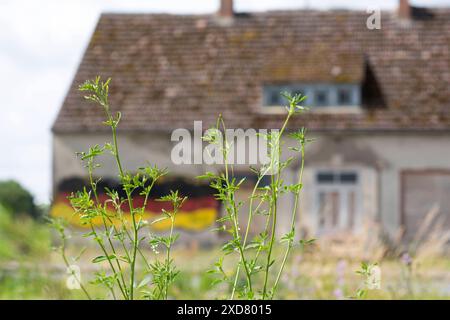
421 191
337 201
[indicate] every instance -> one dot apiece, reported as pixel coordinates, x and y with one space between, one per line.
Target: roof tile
169 70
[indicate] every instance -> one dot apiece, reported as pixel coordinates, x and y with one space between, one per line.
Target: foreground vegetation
30 269
315 274
257 272
115 260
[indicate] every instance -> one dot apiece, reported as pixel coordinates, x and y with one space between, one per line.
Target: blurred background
42 44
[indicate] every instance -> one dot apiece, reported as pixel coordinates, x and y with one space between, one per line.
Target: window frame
345 220
310 90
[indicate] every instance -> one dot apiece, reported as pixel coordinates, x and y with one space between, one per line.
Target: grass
21 238
29 269
191 284
314 274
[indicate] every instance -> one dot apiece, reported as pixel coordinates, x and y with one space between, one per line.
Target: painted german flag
198 212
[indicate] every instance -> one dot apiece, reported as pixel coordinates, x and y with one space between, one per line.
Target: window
275 98
325 177
336 177
318 94
336 200
321 97
348 177
344 97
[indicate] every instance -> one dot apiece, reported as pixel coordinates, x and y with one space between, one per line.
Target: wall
378 157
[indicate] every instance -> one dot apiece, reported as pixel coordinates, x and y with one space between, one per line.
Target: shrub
17 200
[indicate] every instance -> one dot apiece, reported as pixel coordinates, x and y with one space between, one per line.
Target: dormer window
321 95
344 97
274 98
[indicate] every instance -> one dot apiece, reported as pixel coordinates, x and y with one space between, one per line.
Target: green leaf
124 259
218 229
216 282
252 245
80 254
103 258
207 176
307 242
145 281
89 234
361 293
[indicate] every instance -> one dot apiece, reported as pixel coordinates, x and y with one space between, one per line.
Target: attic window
344 97
318 94
321 97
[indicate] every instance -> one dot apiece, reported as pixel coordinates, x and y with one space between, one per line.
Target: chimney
404 10
226 8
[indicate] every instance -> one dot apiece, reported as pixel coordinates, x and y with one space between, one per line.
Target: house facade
379 98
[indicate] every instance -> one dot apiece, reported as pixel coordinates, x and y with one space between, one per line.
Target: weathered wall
379 159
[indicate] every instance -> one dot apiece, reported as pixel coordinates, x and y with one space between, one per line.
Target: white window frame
343 190
310 89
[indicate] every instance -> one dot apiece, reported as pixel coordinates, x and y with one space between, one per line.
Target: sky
41 45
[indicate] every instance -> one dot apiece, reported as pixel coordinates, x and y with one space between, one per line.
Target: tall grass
21 237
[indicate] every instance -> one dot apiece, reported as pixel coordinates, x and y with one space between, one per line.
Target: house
380 102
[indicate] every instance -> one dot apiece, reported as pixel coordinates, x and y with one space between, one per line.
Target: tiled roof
169 70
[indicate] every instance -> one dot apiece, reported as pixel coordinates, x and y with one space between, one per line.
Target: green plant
371 274
250 252
58 225
164 273
117 238
22 238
